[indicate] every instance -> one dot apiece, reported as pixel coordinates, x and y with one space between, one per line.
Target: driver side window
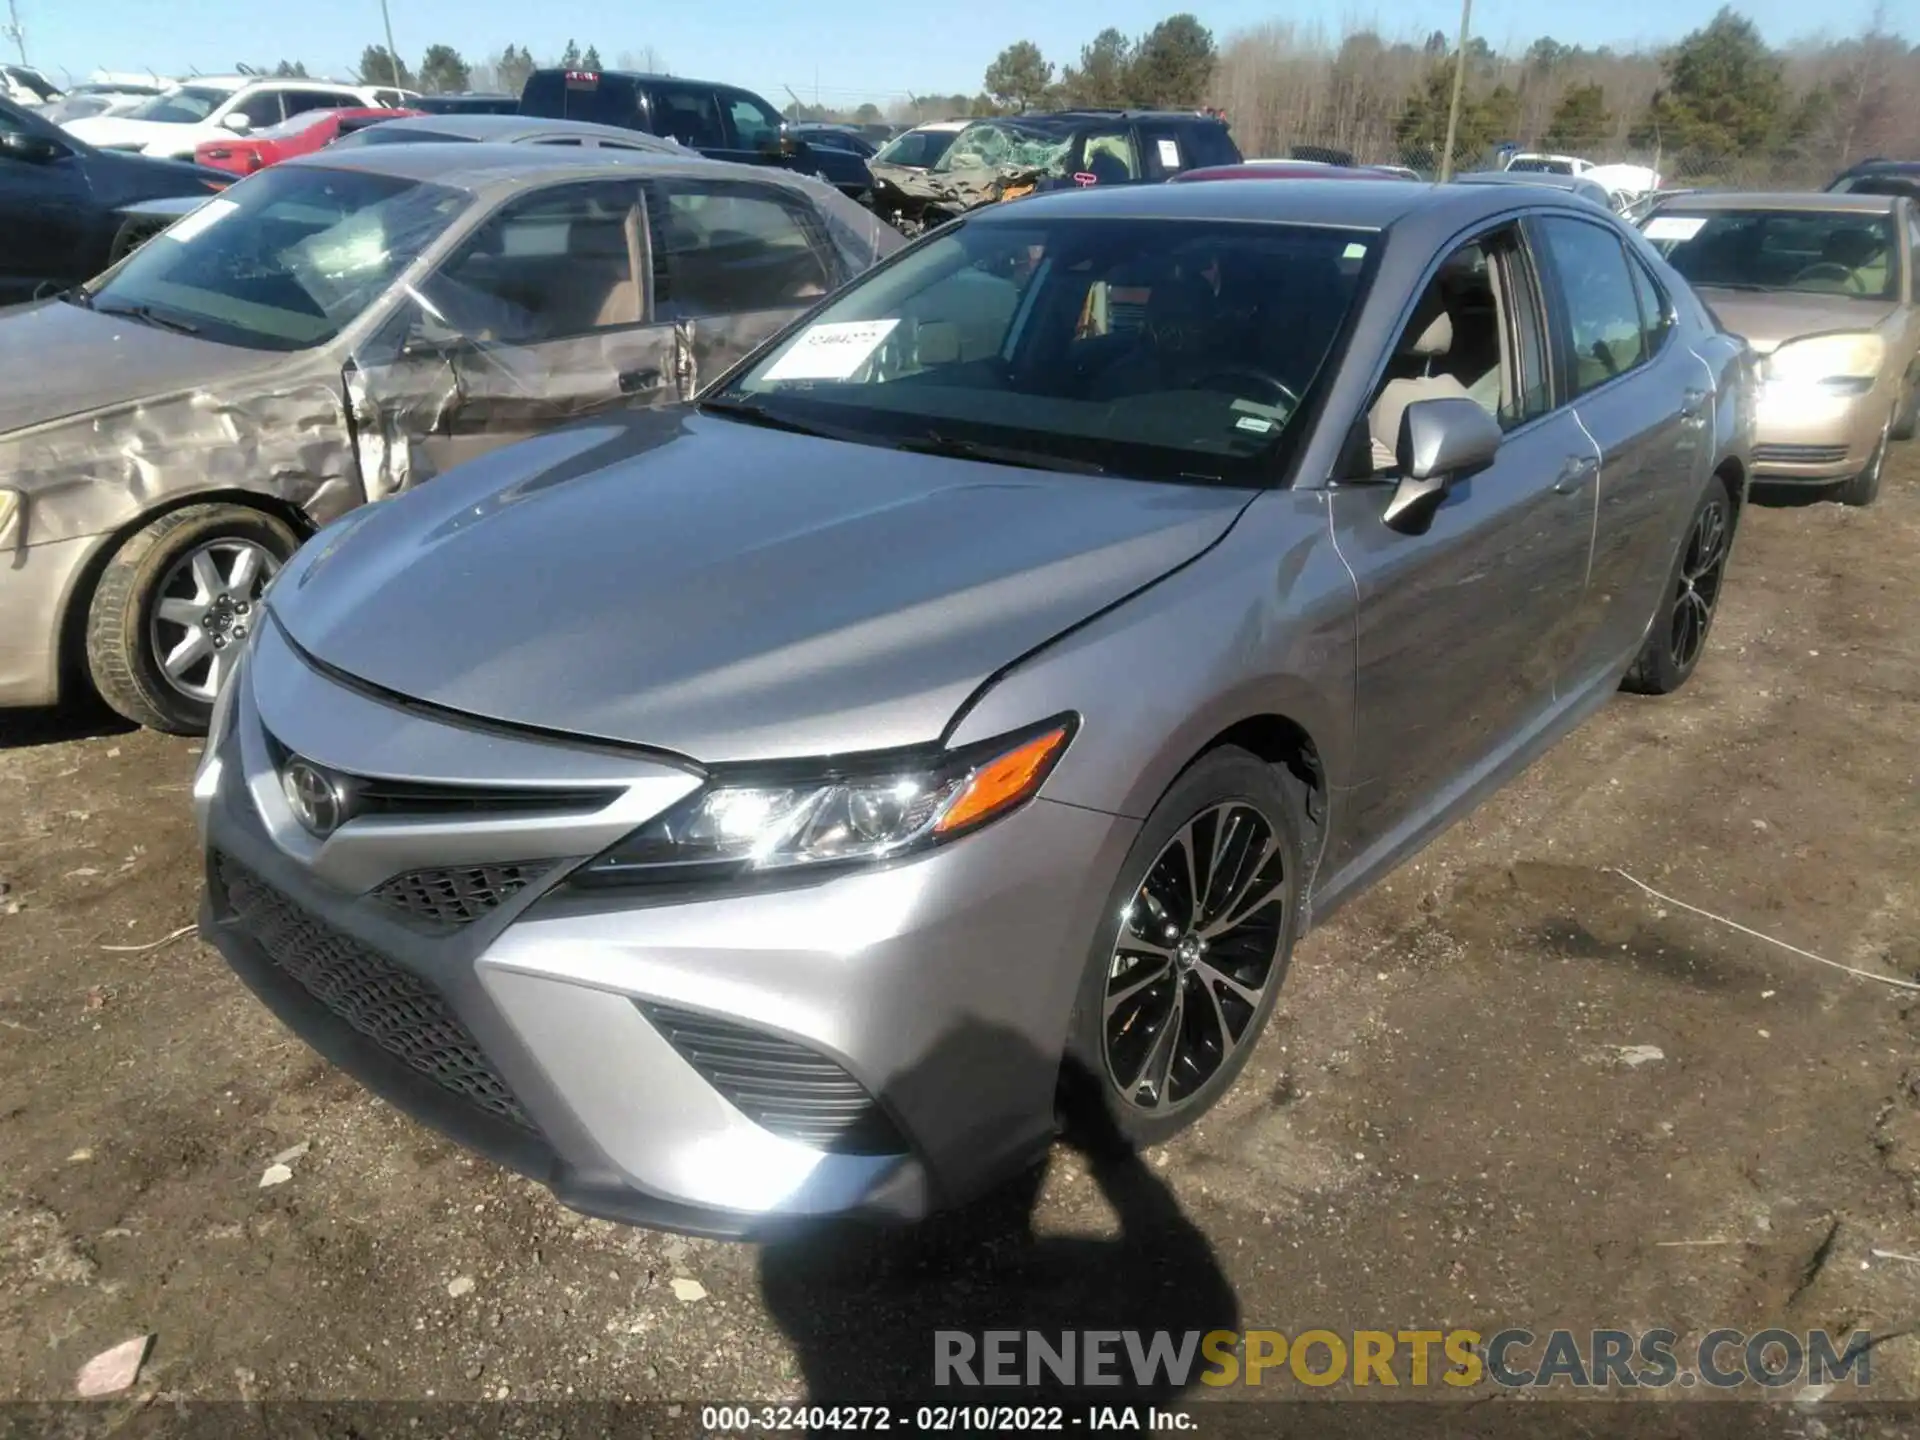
1473 334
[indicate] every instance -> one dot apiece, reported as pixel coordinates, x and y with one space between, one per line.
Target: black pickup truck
722 122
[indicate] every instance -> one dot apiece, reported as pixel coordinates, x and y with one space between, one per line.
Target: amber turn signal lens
1003 782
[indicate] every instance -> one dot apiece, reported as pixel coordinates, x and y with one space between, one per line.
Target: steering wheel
1830 270
1232 379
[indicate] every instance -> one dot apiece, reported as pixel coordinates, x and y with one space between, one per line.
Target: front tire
1203 919
173 606
1678 636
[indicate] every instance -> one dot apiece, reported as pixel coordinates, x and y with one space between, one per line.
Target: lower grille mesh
779 1085
398 1011
458 895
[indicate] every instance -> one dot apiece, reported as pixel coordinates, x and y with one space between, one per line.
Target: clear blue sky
851 49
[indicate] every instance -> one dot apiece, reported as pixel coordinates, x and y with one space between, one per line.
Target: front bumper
35 583
1808 435
600 1042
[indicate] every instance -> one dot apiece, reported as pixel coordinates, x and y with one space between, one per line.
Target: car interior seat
1425 382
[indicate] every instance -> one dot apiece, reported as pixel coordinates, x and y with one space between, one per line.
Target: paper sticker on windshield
1254 424
830 352
1354 251
1169 154
1674 227
195 221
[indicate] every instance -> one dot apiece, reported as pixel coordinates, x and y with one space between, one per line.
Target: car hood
723 591
59 359
1769 319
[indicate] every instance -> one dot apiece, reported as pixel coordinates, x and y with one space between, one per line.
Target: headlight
864 809
1841 362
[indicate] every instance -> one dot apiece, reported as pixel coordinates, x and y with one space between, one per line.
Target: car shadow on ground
1791 497
862 1305
81 720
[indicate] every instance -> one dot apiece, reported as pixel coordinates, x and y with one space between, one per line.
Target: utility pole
1459 83
14 32
393 55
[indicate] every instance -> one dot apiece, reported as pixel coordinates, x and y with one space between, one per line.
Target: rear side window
721 248
300 101
1209 145
1656 315
689 114
262 108
1598 298
559 263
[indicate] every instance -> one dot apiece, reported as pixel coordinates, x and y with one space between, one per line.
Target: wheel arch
74 678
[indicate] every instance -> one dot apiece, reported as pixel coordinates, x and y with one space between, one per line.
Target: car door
1461 630
46 209
541 315
734 260
1646 403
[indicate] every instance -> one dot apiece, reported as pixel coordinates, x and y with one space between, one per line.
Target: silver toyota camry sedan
741 812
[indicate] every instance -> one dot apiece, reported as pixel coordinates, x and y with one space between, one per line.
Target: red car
300 134
1288 170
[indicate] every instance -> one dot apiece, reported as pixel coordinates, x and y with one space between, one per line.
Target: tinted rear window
580 95
1211 145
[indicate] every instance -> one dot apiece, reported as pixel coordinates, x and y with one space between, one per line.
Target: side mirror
1441 441
236 122
29 148
784 145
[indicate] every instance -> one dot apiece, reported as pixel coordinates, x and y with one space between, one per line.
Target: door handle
1576 472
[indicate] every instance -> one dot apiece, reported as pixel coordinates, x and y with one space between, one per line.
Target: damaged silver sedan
338 329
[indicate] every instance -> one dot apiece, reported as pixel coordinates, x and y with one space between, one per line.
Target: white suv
217 107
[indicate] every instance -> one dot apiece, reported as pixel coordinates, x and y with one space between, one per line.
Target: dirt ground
1447 1124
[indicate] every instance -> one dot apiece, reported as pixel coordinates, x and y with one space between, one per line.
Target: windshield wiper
934 443
756 414
147 315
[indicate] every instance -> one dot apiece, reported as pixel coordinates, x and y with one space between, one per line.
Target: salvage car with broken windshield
334 330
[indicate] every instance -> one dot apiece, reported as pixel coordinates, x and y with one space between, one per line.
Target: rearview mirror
32 149
236 122
1441 441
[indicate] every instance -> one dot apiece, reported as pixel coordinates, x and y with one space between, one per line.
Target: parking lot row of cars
867 683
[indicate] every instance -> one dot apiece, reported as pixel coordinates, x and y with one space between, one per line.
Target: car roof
1283 170
1771 200
1316 201
462 165
516 129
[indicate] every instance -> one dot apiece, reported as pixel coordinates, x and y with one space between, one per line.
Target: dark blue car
61 201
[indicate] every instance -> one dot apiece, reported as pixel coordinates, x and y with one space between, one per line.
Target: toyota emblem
317 800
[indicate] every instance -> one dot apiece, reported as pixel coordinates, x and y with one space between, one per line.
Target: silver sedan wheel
207 603
1196 954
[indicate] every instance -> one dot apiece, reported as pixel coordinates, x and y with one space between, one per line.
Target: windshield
284 261
917 147
293 125
996 145
1161 349
185 106
1833 252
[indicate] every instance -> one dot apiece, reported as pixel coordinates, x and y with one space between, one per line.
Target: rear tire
209 561
1678 636
1864 488
1207 983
